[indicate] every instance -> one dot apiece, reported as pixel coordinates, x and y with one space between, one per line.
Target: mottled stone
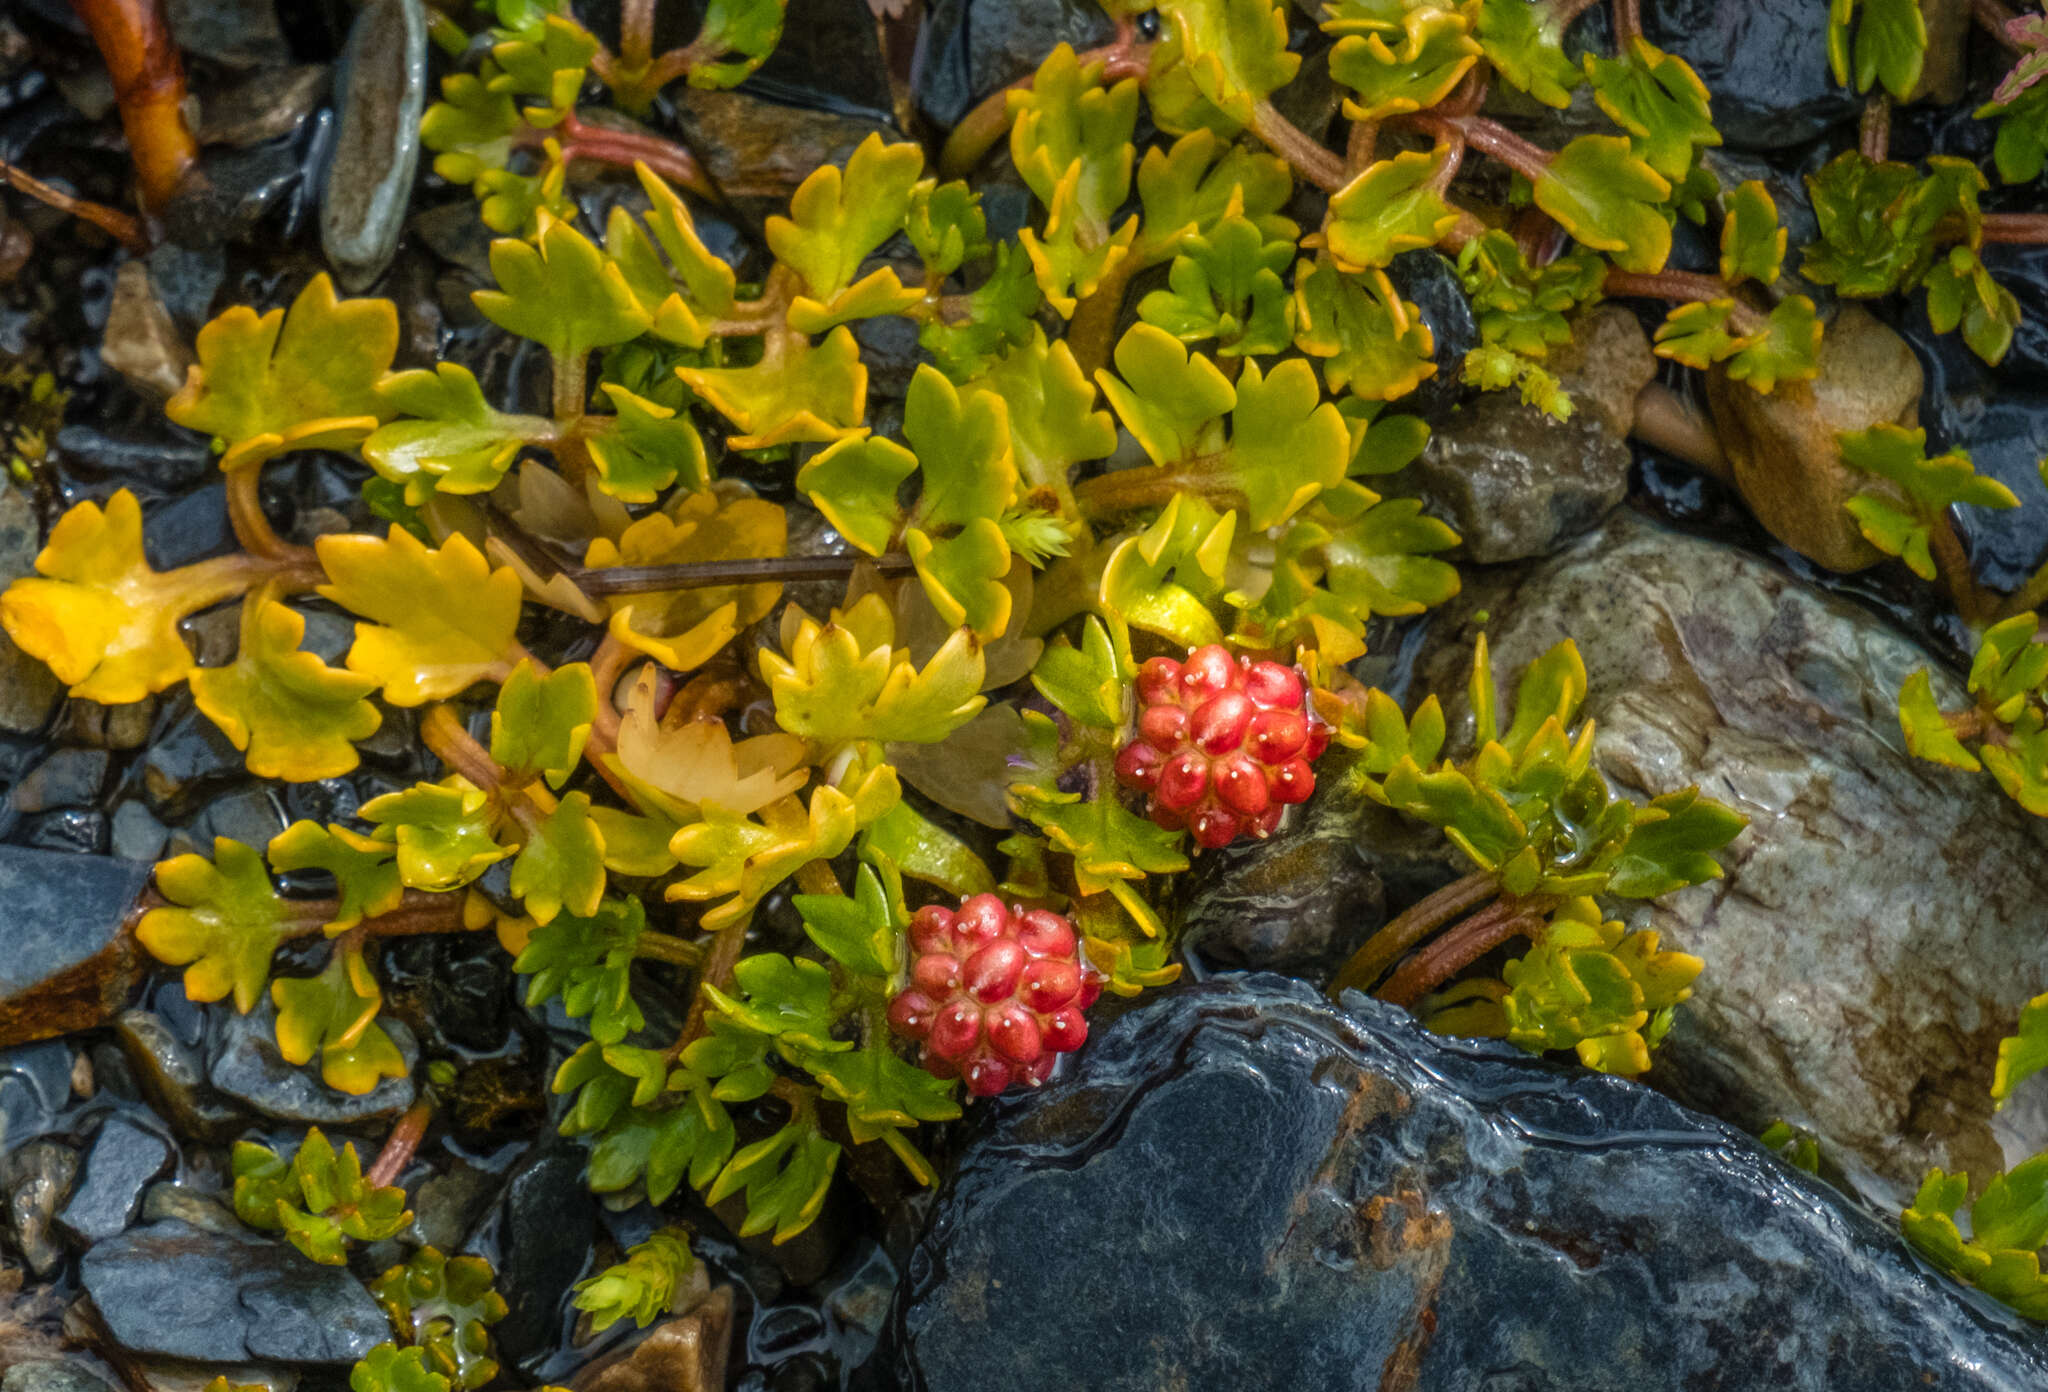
1515 482
758 151
28 689
124 1158
66 961
37 1177
683 1354
267 104
68 778
52 1376
170 1071
1240 1186
178 1291
1881 922
381 85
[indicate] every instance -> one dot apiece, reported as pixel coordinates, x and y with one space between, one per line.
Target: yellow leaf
681 629
796 393
444 618
846 680
688 764
100 617
224 921
299 379
296 716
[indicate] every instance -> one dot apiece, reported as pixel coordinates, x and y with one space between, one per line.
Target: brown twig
2029 229
1628 23
112 221
699 575
1400 934
1874 131
135 42
1461 946
1311 159
400 1145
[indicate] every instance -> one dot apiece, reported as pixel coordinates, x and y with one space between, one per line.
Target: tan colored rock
142 344
1605 365
684 1354
1782 447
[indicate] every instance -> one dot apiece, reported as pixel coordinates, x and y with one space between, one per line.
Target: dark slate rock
245 1065
1242 1186
2007 437
541 1233
971 48
68 778
1430 282
72 830
382 85
1765 61
124 1158
65 962
174 1290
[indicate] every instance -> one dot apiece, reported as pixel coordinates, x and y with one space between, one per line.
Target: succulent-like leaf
1889 44
1960 292
1660 101
365 870
796 393
562 863
295 716
300 379
443 832
334 1014
1371 342
1215 61
1166 579
741 34
1407 69
693 763
1997 1258
1929 487
2024 1052
885 1095
1522 308
1089 684
541 722
1524 42
445 1306
1602 193
1786 350
1070 139
1227 286
320 1198
1392 206
1671 845
643 1287
452 439
443 619
784 1177
561 292
837 218
1054 421
2021 149
223 922
846 681
389 1368
742 859
995 316
1752 241
1878 220
862 932
587 960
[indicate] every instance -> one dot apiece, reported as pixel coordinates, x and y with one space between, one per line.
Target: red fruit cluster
1223 744
995 993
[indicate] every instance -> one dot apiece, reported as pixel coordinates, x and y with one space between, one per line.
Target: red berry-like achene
1222 744
996 993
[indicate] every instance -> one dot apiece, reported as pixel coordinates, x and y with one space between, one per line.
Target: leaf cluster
319 1198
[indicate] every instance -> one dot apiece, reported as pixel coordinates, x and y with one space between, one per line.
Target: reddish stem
1310 157
2023 228
1460 947
399 1146
1449 156
134 40
1491 137
1993 16
1358 147
1682 287
112 221
623 149
1874 133
1400 934
1628 23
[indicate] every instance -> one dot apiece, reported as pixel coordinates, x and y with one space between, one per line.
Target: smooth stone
189 762
1873 937
1429 281
2007 437
969 49
72 830
66 961
1765 61
684 1354
1240 1185
171 1075
29 690
137 835
123 1160
1301 902
239 33
265 105
37 1177
1515 482
68 778
105 727
381 84
244 1064
141 343
178 1291
540 1235
168 1199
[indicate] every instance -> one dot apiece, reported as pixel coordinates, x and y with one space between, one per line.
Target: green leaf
443 618
787 999
455 441
1522 308
925 851
562 863
1523 41
946 225
540 723
838 216
2021 149
1227 286
445 1307
996 317
1109 844
1214 61
1929 488
1890 44
1165 579
854 483
1611 200
784 1177
1070 139
334 1014
1961 292
885 1095
1660 101
861 933
643 1287
1752 242
388 1368
1927 730
1671 845
644 447
562 293
365 870
1054 421
442 832
969 480
2024 1052
1787 350
1390 207
1189 188
320 1200
1429 55
846 681
1878 221
296 717
2012 1212
796 393
223 922
660 1148
741 34
587 960
1088 684
300 379
1370 340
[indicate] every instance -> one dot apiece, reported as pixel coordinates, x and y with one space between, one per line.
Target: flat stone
68 778
1880 923
50 1375
267 104
124 1158
1241 1186
244 1064
177 1291
141 343
66 961
381 85
171 1073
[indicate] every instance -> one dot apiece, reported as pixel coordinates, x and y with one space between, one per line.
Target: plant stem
1491 137
1460 947
1952 564
699 575
2031 595
1309 156
1682 287
253 530
1449 155
134 39
400 1145
441 731
1401 933
2025 228
636 33
112 221
1992 16
1092 330
1359 145
1874 132
667 947
624 149
1151 485
1628 23
726 947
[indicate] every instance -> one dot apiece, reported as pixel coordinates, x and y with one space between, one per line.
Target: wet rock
1861 960
68 778
66 962
1429 281
35 1085
265 105
542 1229
248 814
1387 1209
239 33
454 991
141 343
230 191
969 50
188 761
757 152
124 1158
447 1205
28 689
2007 437
37 1178
71 830
105 727
169 1069
244 1064
135 834
1515 482
1782 447
830 55
170 1200
52 1376
382 84
1300 903
1765 62
684 1354
180 1292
